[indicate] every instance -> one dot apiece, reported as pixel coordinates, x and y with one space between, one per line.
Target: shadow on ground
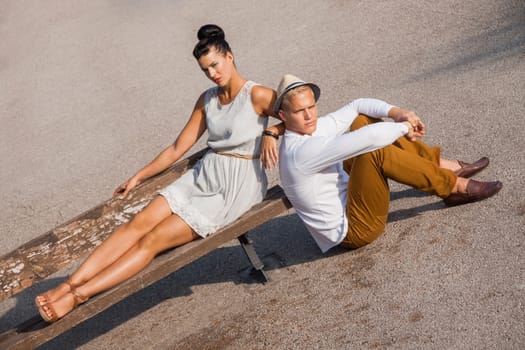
225 264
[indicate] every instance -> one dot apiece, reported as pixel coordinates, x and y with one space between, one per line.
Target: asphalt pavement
90 91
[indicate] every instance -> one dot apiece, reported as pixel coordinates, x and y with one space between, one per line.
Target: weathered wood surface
35 332
71 241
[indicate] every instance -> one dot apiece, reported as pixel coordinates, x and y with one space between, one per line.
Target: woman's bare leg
170 233
120 241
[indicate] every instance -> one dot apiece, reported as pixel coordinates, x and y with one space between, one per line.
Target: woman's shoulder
262 95
209 94
212 91
259 88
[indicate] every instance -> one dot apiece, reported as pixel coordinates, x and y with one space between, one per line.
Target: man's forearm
372 107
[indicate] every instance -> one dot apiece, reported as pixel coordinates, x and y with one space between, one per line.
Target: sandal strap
78 297
71 285
45 296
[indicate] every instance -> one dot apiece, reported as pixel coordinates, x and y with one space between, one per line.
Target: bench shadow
224 264
284 239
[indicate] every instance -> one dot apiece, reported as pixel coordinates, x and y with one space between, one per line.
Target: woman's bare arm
189 135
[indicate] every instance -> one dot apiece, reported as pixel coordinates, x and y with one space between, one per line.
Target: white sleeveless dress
219 188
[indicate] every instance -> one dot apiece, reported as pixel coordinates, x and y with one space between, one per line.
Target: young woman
224 184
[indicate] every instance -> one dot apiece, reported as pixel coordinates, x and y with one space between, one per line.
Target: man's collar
294 133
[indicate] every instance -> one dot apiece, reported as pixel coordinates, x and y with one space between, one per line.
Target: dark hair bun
210 36
209 31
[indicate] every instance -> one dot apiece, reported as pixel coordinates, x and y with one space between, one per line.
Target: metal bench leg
256 262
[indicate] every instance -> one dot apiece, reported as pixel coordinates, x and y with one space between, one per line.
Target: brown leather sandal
77 300
44 299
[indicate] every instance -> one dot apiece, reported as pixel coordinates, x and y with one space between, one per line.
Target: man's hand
413 134
269 152
404 115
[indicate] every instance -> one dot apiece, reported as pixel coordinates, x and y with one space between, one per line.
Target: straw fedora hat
288 82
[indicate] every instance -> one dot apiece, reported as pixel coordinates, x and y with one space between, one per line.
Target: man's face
300 113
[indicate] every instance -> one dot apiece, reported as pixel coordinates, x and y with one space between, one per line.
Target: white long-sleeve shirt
311 168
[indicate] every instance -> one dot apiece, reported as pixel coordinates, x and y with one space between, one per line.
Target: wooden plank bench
65 245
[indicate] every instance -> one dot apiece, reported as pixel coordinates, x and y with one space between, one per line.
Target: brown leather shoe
476 191
470 169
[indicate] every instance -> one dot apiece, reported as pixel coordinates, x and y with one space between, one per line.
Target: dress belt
237 155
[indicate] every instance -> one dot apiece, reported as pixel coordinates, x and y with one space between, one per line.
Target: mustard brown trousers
368 197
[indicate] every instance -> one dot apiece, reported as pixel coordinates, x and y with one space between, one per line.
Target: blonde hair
291 93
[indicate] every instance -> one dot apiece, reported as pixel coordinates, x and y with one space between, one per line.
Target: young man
337 180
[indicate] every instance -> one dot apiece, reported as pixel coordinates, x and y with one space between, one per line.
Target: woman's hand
269 152
127 186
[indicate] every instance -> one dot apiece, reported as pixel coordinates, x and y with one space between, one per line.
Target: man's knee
374 157
362 120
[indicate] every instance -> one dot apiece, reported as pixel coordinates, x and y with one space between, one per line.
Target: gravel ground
92 90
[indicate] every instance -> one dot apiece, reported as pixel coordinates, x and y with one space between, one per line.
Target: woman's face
217 66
